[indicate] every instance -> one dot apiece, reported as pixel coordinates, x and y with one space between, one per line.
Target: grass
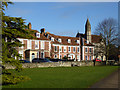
63 77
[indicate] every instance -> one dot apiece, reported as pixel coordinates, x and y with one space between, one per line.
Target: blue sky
63 18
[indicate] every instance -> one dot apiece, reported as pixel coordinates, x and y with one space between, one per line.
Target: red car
98 60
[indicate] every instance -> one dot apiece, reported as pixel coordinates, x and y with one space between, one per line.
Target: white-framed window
90 58
36 44
69 41
65 49
29 44
59 40
52 38
42 44
78 49
90 50
78 41
38 35
55 48
85 49
69 49
60 48
74 49
55 56
85 57
78 57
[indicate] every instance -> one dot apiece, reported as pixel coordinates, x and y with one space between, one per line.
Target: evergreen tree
12 28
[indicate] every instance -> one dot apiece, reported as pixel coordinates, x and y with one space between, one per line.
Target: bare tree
107 29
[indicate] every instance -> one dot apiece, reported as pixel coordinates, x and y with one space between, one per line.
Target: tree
107 29
114 52
12 28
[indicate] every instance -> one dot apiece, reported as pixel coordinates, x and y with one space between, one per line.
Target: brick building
37 47
45 44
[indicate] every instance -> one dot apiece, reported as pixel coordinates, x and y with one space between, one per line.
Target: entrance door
42 54
33 56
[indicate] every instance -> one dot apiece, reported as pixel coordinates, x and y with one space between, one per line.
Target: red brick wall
23 54
46 45
76 56
88 54
33 44
47 54
76 49
62 49
39 45
25 44
67 49
71 49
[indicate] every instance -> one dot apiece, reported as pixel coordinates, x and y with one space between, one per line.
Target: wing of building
38 46
96 40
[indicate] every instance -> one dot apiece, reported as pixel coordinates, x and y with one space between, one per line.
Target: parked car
98 60
24 61
55 60
38 60
64 60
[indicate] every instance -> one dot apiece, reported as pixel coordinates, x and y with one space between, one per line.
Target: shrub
9 78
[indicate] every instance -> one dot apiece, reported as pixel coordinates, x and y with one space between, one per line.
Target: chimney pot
29 26
42 30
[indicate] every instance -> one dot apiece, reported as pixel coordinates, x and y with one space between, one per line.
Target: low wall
56 64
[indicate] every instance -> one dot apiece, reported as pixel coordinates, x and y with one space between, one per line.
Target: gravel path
112 81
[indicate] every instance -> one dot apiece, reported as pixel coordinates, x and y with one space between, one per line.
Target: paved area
112 81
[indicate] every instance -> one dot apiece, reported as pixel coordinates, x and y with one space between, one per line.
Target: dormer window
47 35
78 41
69 41
38 35
59 40
52 39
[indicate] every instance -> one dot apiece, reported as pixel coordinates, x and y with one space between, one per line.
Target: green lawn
63 77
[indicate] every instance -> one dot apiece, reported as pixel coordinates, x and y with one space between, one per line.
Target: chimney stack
29 26
42 30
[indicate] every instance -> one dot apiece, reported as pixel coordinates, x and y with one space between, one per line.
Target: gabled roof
96 38
80 35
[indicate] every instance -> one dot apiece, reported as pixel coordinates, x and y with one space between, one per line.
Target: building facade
45 44
37 47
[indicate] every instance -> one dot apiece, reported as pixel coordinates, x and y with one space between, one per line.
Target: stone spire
88 30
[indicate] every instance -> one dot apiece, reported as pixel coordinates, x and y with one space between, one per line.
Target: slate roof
96 38
64 39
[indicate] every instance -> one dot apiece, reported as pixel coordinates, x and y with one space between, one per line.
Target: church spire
88 22
88 30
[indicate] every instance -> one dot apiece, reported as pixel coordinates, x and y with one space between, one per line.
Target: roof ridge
64 36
